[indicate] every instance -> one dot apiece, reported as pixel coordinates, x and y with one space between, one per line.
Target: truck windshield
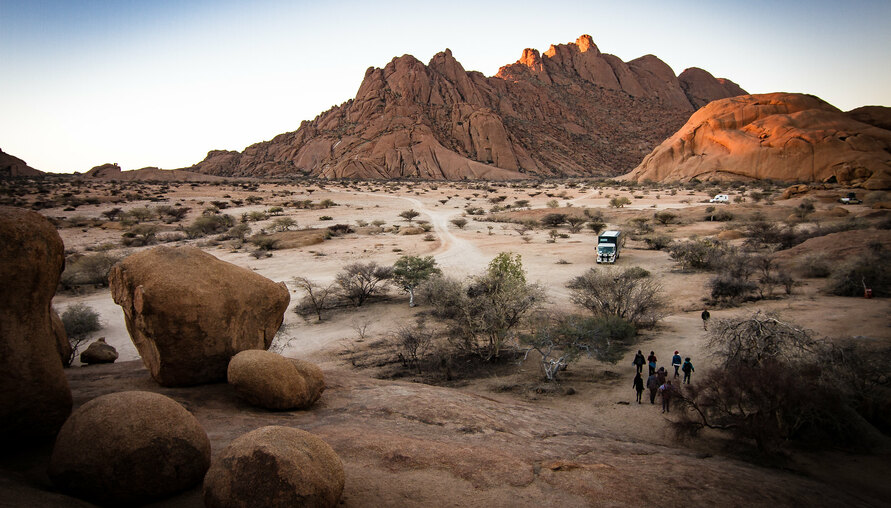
605 248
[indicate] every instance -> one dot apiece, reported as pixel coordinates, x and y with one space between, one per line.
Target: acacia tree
317 298
498 300
776 383
359 281
562 339
409 214
410 271
488 307
624 294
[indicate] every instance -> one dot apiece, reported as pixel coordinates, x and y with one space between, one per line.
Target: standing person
653 386
687 368
705 317
661 375
638 385
667 391
676 363
639 361
651 361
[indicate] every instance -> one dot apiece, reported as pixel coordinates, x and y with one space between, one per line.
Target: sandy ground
598 405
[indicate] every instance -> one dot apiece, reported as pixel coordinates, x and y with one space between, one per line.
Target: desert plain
502 436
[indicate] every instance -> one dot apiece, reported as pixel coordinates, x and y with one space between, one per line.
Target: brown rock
570 111
63 345
271 381
877 116
275 466
701 87
99 352
11 166
129 448
188 313
34 394
729 234
794 190
780 136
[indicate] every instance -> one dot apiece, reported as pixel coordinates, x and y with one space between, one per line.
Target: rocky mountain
11 166
781 136
569 111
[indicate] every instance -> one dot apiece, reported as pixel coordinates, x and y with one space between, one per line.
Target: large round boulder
99 352
188 312
129 448
275 466
271 381
34 395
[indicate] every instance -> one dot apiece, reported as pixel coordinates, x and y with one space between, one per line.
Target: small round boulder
271 381
99 352
275 466
129 448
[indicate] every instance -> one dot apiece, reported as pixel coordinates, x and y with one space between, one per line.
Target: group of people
658 382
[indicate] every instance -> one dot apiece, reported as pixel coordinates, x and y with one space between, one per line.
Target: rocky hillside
781 136
570 111
114 172
11 166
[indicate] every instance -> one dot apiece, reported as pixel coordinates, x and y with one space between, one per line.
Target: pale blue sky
159 83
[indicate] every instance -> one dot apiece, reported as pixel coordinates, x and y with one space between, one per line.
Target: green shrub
80 321
869 270
91 269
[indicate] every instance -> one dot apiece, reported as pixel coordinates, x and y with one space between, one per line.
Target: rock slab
129 448
275 466
35 398
780 136
188 312
271 381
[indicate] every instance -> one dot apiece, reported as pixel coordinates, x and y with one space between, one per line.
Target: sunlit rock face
780 136
570 111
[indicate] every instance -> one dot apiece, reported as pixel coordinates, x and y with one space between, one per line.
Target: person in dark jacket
667 392
653 387
651 361
661 375
688 369
676 363
638 386
705 317
639 361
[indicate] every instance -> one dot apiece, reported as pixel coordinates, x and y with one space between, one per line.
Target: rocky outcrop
271 381
188 312
701 87
570 111
34 394
63 345
275 466
99 352
779 136
877 116
113 172
12 167
129 448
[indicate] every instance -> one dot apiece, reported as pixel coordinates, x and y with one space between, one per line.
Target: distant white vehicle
720 198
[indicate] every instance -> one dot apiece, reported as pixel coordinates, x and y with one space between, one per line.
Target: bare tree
625 294
317 298
360 281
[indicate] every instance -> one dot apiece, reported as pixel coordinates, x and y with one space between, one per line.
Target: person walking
667 392
705 317
639 361
676 363
661 375
651 361
638 386
653 387
688 369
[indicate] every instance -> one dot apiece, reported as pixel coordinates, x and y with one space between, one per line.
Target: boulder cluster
189 314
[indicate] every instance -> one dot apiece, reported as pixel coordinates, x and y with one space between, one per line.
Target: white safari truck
608 244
